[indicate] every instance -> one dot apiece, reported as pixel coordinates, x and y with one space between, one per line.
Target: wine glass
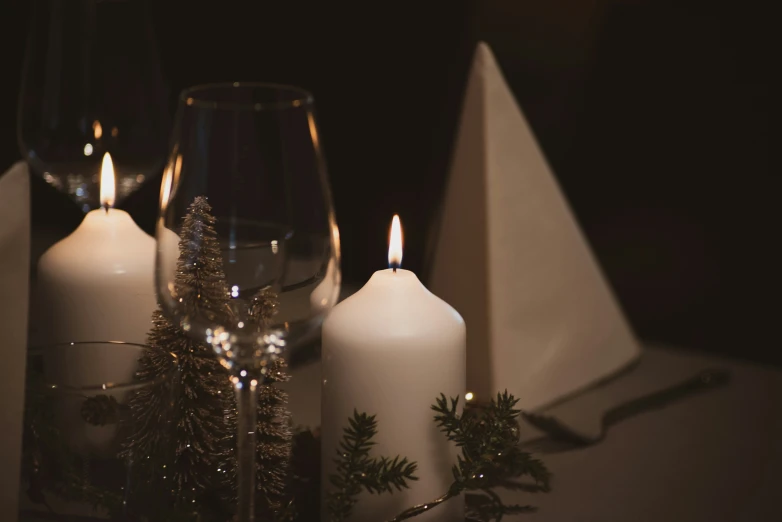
245 208
91 84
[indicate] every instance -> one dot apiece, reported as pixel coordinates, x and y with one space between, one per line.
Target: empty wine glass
245 210
91 84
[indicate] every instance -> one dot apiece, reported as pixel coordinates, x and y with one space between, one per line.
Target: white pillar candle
390 350
97 284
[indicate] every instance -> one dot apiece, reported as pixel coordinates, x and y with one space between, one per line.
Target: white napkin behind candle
511 259
14 294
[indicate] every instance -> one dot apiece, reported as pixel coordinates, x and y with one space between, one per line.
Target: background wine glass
91 84
253 151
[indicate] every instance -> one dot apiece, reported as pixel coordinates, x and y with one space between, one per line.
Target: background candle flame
107 188
395 243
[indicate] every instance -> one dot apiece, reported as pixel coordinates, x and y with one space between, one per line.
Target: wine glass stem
246 388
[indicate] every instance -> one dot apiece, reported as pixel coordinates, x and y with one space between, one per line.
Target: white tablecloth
712 457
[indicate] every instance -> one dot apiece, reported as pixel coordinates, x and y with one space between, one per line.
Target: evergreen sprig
357 471
385 474
490 459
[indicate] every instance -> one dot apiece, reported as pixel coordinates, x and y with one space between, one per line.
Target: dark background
655 115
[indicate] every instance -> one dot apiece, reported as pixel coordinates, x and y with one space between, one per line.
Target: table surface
712 457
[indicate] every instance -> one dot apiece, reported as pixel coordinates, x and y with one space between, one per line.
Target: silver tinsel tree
181 435
273 434
183 440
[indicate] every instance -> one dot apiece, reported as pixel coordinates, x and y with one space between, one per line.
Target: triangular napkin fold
541 320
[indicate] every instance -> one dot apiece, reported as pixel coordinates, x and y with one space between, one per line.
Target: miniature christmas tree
180 429
183 440
273 434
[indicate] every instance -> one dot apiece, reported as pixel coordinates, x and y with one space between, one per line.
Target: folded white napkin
14 294
541 320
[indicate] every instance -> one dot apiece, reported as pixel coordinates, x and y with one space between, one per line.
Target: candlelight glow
165 187
107 188
97 129
395 243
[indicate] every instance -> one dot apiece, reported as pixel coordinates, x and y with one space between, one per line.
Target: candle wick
105 206
395 270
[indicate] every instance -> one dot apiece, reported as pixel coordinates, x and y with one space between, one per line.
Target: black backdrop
655 114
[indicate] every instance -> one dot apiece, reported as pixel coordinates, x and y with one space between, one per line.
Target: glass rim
190 97
135 384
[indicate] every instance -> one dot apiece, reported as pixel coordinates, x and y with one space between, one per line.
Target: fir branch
357 471
384 474
447 419
490 459
352 456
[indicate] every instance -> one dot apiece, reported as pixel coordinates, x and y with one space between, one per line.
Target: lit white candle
97 284
390 350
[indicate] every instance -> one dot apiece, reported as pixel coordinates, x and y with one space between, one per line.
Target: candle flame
107 188
395 244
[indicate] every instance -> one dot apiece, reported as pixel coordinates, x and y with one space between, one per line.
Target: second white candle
390 350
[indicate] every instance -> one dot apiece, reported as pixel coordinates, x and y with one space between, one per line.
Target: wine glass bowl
248 246
91 84
252 151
